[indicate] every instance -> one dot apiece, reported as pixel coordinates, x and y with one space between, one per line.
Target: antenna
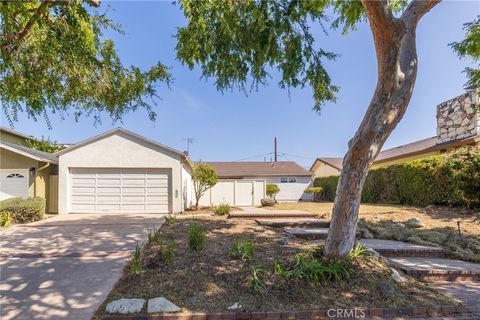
189 142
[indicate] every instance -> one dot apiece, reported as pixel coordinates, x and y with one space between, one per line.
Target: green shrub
309 267
451 179
272 190
169 220
5 219
167 253
222 209
256 280
24 210
153 235
242 249
313 190
358 251
136 262
196 236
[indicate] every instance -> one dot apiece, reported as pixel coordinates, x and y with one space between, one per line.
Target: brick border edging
379 313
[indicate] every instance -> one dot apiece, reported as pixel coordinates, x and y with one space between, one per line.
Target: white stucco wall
121 150
187 189
324 170
292 191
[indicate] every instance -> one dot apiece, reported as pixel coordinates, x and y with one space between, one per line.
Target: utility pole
276 155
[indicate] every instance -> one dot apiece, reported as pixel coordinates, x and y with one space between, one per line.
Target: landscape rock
397 277
160 304
282 241
259 228
125 306
364 233
267 202
387 289
400 225
235 306
414 222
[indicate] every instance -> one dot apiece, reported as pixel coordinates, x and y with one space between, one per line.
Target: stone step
391 248
308 233
434 269
280 223
272 215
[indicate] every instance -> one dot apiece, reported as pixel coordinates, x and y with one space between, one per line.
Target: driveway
64 267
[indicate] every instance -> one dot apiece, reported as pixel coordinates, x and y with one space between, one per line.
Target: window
283 180
288 180
15 176
292 180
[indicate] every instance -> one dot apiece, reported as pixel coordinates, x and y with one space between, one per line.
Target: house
244 183
25 172
458 125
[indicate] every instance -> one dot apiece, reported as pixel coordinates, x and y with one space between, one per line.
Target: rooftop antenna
189 142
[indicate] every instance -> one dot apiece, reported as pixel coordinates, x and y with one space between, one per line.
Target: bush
315 192
242 249
23 210
5 219
451 179
136 262
169 220
196 237
222 209
272 190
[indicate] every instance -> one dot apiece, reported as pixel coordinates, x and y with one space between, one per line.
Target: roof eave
28 155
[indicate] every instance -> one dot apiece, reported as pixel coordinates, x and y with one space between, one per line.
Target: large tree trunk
397 69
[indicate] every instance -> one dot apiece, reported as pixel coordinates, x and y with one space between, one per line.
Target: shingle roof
334 162
34 154
240 169
410 149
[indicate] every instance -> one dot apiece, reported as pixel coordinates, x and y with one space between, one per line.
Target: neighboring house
25 172
244 183
458 125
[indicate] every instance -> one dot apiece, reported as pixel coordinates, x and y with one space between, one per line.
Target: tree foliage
204 177
272 190
44 145
55 57
470 48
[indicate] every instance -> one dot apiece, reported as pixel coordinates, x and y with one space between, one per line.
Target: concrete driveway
64 267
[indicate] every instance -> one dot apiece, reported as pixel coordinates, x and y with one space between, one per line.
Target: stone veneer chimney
459 117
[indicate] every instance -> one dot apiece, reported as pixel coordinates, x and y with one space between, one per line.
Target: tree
44 145
204 178
272 190
54 57
234 41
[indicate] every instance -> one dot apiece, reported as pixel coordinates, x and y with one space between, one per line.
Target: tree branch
94 3
415 10
19 36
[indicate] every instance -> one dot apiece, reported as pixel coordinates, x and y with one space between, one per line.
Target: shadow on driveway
64 267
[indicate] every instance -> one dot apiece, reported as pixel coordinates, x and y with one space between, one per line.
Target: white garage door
13 183
119 190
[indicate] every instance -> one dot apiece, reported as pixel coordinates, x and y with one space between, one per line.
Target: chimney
459 117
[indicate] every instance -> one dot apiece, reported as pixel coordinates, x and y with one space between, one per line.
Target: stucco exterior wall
291 191
11 138
324 170
187 189
120 150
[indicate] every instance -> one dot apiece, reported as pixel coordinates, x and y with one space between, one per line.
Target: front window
283 180
292 180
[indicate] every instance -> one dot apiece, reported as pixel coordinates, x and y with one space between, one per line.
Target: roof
410 149
30 153
16 133
333 162
121 130
240 169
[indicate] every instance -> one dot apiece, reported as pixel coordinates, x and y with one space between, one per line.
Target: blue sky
232 126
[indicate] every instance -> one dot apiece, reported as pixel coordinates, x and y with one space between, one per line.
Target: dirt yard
211 280
441 225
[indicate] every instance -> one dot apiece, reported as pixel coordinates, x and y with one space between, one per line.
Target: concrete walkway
64 267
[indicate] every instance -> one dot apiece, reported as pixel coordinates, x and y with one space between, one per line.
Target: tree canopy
54 57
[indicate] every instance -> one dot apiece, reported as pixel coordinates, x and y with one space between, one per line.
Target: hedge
18 210
451 179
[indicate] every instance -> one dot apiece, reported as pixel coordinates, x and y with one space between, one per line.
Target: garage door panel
83 190
119 190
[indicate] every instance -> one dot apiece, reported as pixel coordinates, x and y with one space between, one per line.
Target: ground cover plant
222 209
274 278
